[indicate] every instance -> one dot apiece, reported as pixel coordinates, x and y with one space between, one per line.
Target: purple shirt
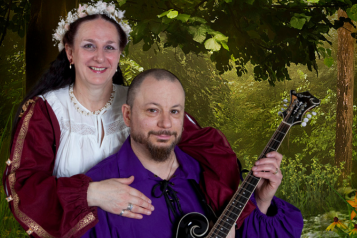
124 164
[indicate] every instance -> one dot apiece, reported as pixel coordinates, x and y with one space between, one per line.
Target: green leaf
172 14
352 12
224 45
328 52
121 2
228 1
297 23
164 13
221 37
329 61
250 2
211 44
183 17
198 19
199 34
313 1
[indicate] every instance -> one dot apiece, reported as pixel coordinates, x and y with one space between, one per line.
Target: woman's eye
88 46
174 111
109 47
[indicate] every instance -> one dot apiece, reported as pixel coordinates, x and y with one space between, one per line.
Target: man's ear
126 110
69 53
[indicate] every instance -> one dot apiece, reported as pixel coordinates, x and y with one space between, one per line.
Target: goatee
158 153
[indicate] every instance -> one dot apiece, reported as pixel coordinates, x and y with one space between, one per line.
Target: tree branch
7 23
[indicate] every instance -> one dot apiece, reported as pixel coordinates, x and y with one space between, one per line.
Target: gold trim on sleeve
19 144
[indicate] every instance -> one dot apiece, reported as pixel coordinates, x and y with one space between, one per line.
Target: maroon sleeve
221 173
44 205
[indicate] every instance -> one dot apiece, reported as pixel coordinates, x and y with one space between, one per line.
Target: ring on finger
276 171
122 212
130 206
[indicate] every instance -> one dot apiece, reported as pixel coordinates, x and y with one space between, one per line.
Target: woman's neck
92 97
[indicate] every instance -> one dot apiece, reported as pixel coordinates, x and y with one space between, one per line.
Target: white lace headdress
88 9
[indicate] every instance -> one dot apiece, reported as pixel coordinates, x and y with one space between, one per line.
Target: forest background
237 60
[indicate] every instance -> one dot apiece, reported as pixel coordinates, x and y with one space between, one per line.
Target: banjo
195 225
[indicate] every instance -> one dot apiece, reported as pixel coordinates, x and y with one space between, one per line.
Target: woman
72 120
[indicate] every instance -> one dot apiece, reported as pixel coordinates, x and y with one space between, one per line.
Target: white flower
57 36
60 46
61 23
91 10
81 8
82 14
120 14
101 6
111 8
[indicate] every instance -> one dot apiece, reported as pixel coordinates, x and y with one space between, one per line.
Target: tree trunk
40 51
345 77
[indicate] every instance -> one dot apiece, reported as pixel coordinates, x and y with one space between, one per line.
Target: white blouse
80 145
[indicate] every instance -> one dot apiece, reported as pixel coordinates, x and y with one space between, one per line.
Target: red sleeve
44 205
221 173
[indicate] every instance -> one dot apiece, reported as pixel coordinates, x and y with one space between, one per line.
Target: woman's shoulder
57 99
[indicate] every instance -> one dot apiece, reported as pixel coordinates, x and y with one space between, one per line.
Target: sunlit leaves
121 2
211 44
329 61
183 17
298 20
352 12
172 14
199 33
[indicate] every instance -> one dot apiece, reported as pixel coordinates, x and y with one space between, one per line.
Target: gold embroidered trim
33 226
82 223
25 106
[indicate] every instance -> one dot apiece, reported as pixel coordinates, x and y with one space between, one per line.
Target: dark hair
59 75
158 74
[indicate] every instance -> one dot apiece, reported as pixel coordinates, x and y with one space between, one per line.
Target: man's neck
164 169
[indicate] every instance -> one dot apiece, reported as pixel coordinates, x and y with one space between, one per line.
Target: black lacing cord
165 190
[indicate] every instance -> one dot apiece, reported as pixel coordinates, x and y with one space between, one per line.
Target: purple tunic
124 164
285 220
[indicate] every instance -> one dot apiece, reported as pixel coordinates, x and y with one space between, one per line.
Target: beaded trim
87 112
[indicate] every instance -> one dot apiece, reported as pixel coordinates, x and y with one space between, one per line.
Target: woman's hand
269 170
114 195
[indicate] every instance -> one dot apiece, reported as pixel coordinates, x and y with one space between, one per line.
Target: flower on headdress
84 10
82 14
353 204
354 230
101 6
337 223
91 10
111 8
81 8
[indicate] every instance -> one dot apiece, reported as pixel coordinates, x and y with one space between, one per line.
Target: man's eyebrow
157 104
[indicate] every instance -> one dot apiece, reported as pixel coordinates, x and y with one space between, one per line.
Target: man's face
156 118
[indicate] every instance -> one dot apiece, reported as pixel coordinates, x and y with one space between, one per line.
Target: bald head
157 74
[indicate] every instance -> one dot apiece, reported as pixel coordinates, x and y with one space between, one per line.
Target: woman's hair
59 75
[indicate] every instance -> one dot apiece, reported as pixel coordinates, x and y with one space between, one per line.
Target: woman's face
95 52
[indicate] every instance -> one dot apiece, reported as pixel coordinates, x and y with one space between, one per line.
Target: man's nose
165 120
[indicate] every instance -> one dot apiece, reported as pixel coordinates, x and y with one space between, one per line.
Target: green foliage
352 12
14 15
270 35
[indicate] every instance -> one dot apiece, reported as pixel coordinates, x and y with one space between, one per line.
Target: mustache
162 132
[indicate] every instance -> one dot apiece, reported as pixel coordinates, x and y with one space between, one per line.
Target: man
155 113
